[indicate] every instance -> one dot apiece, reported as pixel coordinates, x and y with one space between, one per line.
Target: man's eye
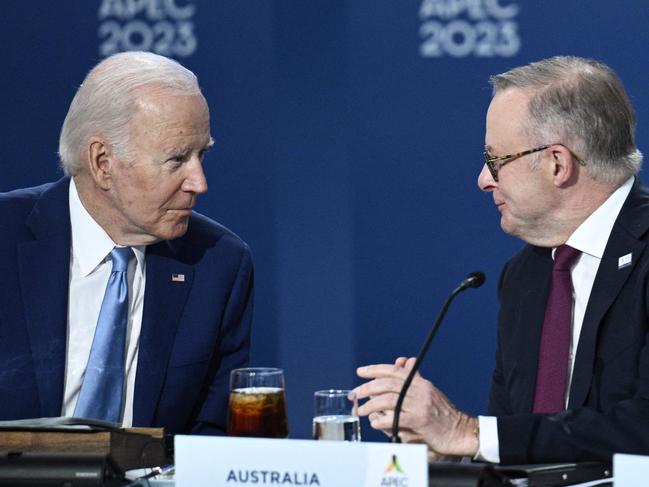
177 160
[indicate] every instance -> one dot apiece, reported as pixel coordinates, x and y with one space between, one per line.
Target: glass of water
336 416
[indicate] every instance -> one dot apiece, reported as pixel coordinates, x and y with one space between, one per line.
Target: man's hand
426 415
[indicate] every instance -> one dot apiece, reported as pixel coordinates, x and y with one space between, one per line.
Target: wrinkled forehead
164 120
159 111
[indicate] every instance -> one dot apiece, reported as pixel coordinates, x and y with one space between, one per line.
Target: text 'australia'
272 477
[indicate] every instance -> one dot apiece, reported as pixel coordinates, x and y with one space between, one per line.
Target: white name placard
256 462
630 470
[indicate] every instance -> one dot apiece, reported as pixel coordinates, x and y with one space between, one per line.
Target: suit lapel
631 224
532 307
164 301
44 267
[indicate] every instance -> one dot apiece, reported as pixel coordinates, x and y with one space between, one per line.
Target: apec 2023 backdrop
348 141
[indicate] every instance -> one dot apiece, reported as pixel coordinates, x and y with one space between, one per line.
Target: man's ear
100 162
563 166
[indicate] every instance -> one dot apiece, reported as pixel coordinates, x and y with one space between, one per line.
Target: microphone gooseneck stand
475 279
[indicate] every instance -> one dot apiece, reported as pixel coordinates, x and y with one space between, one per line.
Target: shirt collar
592 235
90 242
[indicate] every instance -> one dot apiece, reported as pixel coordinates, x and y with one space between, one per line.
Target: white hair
106 101
582 103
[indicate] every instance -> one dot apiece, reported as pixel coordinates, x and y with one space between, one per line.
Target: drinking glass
257 404
336 416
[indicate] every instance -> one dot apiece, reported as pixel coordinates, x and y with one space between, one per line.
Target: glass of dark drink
257 403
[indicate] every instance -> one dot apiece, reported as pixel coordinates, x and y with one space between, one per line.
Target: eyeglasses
491 161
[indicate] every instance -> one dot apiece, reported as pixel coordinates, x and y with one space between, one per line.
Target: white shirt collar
592 235
90 243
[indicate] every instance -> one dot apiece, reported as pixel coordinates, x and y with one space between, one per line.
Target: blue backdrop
348 142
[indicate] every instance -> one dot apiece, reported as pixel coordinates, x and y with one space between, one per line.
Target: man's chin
177 231
164 231
520 232
507 227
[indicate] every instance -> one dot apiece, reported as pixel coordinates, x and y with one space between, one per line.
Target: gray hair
580 103
107 100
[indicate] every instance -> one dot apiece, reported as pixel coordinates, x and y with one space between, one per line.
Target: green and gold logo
394 476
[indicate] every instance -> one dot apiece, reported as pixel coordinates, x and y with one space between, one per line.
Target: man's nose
485 179
196 182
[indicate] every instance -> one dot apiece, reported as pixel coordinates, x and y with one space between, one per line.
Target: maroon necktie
552 375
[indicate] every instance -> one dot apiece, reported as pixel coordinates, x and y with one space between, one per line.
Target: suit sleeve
582 434
233 349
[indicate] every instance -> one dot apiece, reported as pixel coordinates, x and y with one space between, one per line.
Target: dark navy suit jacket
193 332
608 407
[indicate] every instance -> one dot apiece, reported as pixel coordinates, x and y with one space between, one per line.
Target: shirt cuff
489 448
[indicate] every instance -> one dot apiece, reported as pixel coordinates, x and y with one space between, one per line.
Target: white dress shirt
590 238
90 268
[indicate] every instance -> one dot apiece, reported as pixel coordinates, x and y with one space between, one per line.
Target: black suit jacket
608 407
193 332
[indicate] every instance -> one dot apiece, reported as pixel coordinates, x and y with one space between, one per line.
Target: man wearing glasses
571 381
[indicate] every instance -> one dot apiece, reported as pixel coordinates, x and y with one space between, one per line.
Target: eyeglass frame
493 169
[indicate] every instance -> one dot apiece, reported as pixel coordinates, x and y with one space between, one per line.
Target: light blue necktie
103 383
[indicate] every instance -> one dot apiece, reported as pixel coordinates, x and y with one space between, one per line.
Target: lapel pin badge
624 261
181 277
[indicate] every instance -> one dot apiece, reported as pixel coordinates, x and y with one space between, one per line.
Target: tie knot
564 256
121 256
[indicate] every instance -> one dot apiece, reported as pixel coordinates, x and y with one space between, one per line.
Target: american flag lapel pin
177 277
624 261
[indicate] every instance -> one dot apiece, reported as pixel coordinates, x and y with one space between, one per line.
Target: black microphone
475 279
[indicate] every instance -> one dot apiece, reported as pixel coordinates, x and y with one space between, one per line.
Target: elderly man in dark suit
571 380
119 302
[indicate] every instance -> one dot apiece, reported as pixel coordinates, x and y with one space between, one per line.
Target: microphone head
475 279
